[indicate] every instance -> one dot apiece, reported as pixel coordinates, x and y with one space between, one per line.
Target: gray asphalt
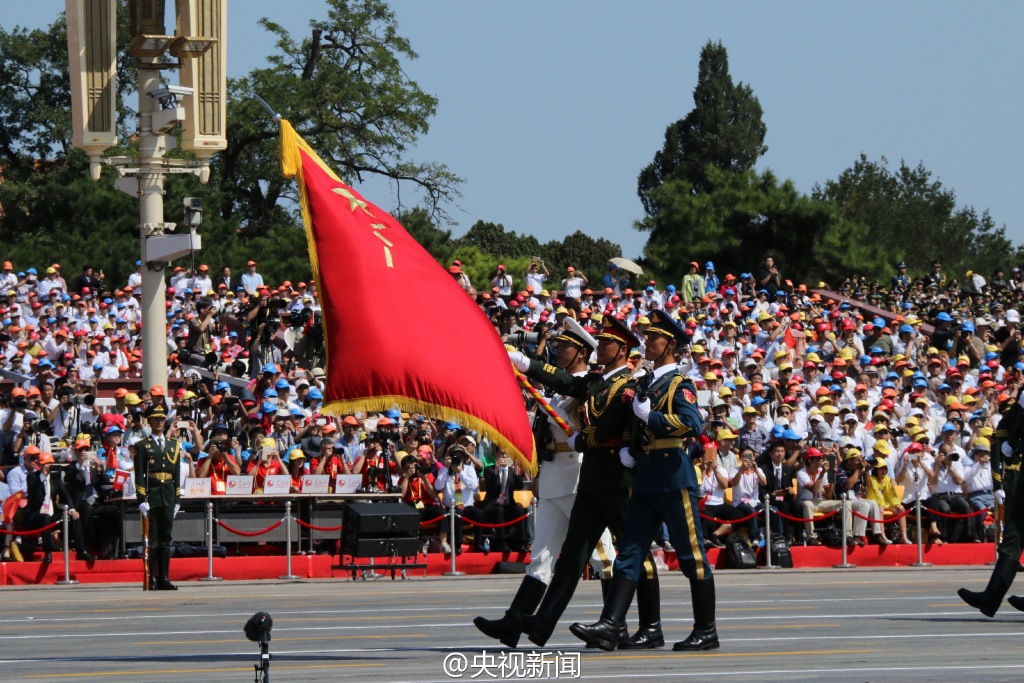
791 625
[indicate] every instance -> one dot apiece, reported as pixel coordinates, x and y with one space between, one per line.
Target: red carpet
320 566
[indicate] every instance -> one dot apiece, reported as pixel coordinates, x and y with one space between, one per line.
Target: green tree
342 87
914 218
344 90
491 238
581 251
724 130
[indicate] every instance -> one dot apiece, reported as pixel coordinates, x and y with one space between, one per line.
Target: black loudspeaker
380 519
380 530
379 547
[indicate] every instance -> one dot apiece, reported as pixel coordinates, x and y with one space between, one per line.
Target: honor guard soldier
157 465
1009 487
603 489
559 473
664 490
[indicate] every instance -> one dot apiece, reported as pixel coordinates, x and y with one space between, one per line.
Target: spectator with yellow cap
881 490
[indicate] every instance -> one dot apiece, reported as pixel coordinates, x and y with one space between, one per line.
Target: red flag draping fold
398 330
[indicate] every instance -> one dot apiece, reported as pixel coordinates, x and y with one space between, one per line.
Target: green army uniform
156 481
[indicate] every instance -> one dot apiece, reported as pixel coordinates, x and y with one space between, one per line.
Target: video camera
520 339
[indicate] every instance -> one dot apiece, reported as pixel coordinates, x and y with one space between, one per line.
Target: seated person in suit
45 495
82 480
779 477
501 480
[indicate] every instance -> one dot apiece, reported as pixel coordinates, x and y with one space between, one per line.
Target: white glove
1000 496
176 508
642 409
519 361
626 459
144 508
572 441
1007 449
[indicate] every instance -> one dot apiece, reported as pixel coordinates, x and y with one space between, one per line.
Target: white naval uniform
556 494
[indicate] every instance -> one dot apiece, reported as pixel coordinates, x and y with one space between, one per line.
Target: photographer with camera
417 487
267 463
12 424
945 483
75 410
218 465
459 483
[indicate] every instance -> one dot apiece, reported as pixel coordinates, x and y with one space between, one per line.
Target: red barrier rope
730 521
432 522
495 526
812 519
317 528
251 533
34 532
883 521
953 515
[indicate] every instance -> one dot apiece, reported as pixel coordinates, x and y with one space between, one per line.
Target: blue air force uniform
664 490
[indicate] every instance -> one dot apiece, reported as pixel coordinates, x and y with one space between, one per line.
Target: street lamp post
197 105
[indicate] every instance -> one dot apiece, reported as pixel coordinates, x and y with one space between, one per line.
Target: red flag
398 330
788 338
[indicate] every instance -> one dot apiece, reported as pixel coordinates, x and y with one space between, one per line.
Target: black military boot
988 600
648 605
610 630
704 635
163 582
539 627
508 628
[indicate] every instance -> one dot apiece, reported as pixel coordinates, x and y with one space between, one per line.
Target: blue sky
549 110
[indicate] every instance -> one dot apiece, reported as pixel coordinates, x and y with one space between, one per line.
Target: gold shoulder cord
177 452
617 384
666 403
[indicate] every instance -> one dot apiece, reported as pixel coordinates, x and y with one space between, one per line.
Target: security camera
169 91
194 203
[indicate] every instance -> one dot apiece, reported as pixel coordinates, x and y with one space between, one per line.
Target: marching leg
508 628
648 604
704 635
610 630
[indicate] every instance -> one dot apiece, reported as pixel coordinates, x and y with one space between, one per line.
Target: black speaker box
380 519
379 547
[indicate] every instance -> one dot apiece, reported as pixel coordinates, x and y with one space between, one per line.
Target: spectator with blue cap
711 281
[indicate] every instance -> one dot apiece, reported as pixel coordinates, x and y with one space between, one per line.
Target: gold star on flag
353 201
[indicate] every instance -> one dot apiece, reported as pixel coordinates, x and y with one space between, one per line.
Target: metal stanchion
451 539
209 544
842 509
768 534
288 542
920 537
67 580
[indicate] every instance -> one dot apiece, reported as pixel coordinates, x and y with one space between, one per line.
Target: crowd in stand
806 398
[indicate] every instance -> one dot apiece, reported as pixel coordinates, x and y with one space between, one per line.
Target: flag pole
542 402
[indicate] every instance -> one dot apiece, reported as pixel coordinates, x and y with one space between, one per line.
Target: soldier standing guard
664 490
156 482
559 472
1008 484
603 489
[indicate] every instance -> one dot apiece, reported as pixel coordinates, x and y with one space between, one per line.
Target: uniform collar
658 373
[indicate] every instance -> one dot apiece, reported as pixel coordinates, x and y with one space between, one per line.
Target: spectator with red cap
251 281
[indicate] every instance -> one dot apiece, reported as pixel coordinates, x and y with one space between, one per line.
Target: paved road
785 625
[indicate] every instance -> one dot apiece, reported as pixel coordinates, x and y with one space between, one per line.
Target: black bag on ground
833 538
781 555
741 555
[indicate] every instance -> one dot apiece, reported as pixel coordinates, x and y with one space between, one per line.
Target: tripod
263 668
